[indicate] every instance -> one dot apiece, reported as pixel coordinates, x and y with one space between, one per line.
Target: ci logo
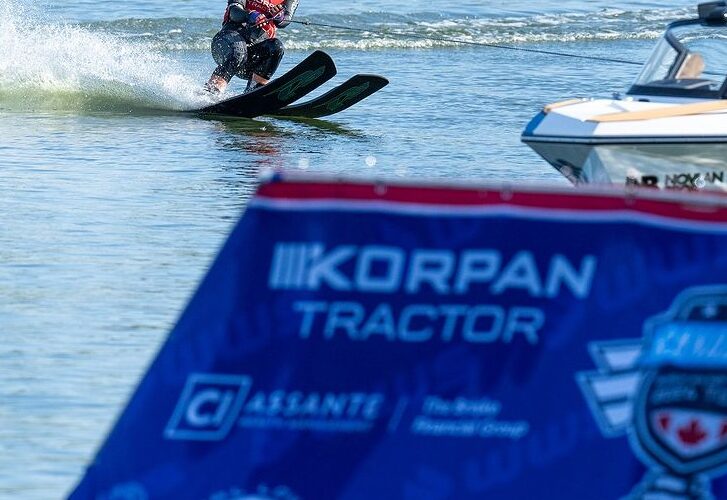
208 407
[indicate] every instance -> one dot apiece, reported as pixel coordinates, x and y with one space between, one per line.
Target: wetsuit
247 42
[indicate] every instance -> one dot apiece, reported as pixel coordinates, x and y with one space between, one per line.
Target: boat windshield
690 60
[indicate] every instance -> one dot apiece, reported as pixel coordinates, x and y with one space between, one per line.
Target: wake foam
57 66
381 31
136 64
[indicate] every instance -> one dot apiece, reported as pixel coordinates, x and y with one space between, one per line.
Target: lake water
113 202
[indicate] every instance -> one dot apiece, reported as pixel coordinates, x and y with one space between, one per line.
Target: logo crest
668 393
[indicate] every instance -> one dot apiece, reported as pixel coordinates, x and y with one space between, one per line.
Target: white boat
669 130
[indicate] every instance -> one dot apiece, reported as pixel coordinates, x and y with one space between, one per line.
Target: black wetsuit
242 48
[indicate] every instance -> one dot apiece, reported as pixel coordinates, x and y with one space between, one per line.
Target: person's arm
236 11
289 7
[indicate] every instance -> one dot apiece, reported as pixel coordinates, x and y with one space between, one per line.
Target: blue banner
356 341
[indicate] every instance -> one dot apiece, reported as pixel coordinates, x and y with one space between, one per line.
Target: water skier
247 46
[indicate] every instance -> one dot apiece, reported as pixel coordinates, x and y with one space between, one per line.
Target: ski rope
466 42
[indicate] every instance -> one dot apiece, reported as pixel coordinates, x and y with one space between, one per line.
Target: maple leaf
664 422
693 434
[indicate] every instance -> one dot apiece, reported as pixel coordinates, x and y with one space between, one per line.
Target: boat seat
684 83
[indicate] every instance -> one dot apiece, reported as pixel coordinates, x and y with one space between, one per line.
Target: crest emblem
668 393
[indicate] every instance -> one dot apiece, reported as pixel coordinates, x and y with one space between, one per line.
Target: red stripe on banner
701 207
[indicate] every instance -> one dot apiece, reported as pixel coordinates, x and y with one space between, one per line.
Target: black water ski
313 72
353 90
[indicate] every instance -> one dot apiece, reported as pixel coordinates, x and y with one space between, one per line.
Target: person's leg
229 50
264 59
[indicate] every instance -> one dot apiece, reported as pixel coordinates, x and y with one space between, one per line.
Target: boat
669 130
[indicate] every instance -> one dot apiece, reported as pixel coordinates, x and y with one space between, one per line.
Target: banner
360 341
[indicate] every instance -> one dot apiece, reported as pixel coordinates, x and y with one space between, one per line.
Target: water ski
311 73
353 90
275 97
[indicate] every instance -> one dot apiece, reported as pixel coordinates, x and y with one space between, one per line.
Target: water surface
113 200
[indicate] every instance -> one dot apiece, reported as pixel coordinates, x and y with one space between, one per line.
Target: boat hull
649 152
668 166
